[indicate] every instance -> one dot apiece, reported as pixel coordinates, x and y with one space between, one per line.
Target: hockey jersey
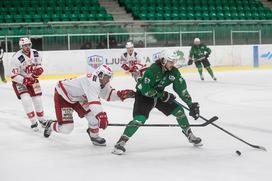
133 64
87 91
22 65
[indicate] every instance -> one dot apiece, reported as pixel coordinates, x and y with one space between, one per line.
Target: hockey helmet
196 41
24 41
103 70
167 55
129 45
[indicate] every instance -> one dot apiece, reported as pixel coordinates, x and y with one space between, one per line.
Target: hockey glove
103 120
207 55
190 62
125 67
28 81
124 94
37 72
134 69
167 97
194 110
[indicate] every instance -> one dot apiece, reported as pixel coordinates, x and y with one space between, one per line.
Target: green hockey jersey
154 81
198 52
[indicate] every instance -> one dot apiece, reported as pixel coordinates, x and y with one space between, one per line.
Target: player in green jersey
150 93
199 54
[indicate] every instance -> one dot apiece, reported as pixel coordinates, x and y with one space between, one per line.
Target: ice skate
119 148
34 127
97 140
196 141
42 123
214 78
201 77
47 130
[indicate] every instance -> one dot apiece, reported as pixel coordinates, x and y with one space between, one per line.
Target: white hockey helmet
196 41
167 55
129 45
24 41
103 70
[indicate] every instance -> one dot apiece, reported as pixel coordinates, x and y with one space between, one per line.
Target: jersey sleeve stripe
110 94
64 90
95 102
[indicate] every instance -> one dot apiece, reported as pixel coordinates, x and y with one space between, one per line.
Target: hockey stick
210 121
229 133
185 64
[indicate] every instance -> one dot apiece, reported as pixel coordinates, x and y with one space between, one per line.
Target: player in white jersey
131 62
83 95
25 69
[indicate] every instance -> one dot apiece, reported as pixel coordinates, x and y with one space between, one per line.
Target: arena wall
81 61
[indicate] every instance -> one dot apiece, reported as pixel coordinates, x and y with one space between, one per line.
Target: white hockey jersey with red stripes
22 65
131 60
86 90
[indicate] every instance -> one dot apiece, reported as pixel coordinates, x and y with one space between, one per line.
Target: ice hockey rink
241 99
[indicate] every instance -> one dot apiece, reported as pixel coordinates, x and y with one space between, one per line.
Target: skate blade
117 152
98 144
198 145
35 129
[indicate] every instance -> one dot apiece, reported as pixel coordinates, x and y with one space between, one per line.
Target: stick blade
262 148
210 121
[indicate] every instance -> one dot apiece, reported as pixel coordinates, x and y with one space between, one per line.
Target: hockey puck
238 152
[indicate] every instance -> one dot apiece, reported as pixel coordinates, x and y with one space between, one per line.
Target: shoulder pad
35 53
21 58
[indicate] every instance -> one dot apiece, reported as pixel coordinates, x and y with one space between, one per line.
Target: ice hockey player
2 70
25 70
150 93
199 54
131 62
83 95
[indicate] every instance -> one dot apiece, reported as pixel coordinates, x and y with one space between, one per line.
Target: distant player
25 69
151 94
83 95
2 70
199 54
131 62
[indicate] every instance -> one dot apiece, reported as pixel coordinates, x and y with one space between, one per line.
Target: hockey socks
130 129
200 71
210 72
184 124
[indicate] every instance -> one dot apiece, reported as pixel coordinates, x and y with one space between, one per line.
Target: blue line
256 56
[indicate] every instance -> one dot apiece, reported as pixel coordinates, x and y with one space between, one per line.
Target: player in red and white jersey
131 62
25 69
83 95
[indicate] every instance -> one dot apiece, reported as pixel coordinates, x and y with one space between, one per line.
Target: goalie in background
131 62
25 70
150 93
199 54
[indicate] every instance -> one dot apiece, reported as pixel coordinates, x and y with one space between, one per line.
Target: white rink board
80 61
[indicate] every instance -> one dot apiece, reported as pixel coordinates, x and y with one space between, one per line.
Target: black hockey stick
229 133
210 121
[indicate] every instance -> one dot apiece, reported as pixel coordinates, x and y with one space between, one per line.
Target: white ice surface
242 100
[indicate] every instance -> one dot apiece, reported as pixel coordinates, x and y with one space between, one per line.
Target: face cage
30 45
101 75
